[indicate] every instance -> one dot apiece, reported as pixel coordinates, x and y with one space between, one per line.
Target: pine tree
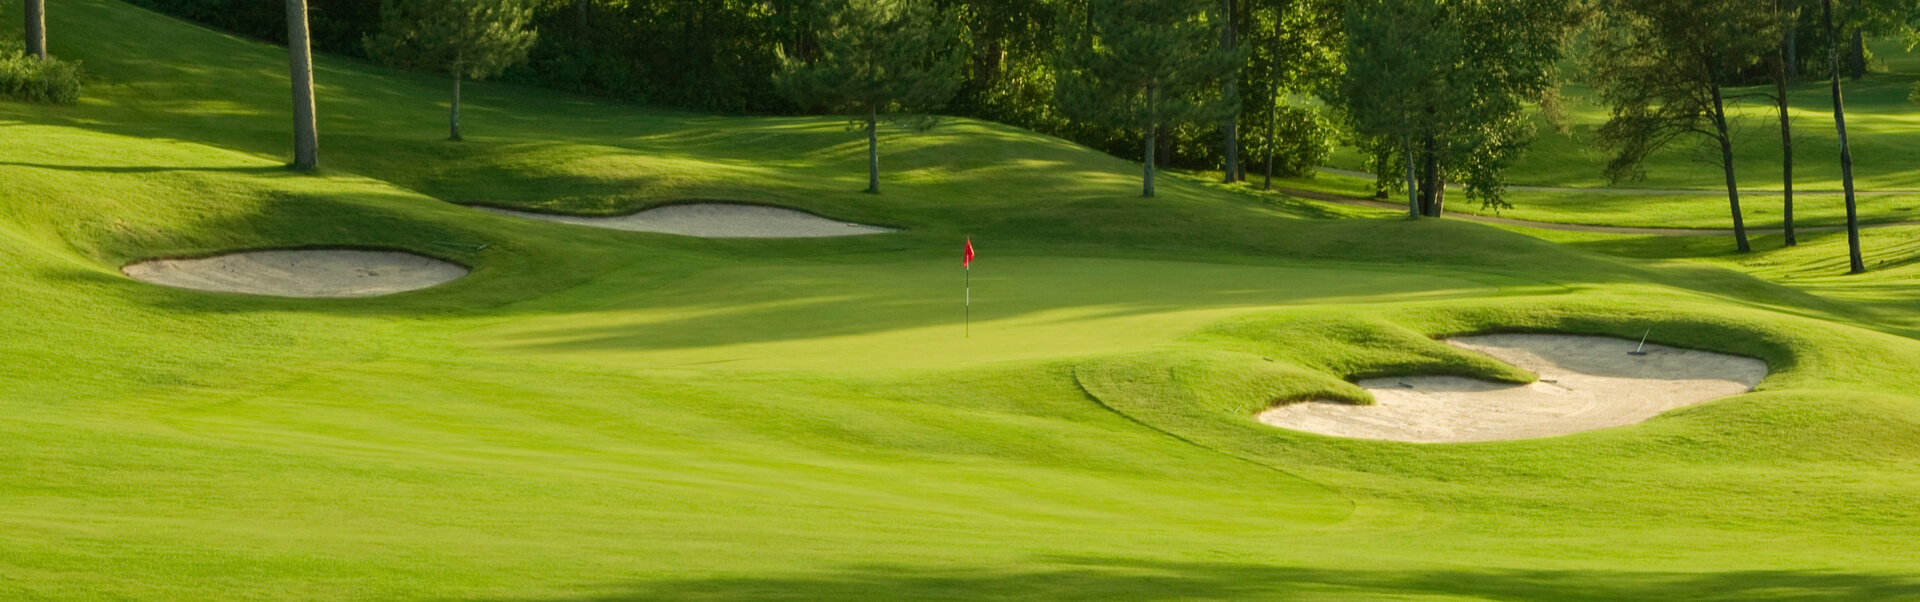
1145 64
885 60
468 38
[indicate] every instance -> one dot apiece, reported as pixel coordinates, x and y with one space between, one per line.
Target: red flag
966 260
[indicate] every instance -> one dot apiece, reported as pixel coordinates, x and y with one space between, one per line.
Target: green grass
600 415
1883 128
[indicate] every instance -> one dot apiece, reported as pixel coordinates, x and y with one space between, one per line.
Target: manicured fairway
598 415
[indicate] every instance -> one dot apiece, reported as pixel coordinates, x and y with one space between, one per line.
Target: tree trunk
873 148
1273 114
453 117
1430 179
1857 56
1793 47
1786 139
1229 92
37 28
1855 260
1413 192
1146 180
582 18
1726 163
306 135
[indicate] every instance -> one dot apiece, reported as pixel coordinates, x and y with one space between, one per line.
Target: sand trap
714 220
304 273
1586 383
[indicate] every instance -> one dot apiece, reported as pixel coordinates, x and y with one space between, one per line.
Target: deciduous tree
1447 86
1661 68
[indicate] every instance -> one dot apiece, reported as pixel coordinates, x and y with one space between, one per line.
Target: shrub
25 78
1302 141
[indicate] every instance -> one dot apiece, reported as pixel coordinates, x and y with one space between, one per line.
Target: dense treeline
1438 92
724 55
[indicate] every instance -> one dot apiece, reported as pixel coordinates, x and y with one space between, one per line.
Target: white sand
305 273
1586 383
714 220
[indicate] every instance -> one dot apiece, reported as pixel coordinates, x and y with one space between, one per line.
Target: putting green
911 315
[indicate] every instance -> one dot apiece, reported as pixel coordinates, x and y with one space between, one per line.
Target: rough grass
599 415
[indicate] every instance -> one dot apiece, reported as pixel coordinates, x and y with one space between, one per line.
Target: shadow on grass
264 169
1104 580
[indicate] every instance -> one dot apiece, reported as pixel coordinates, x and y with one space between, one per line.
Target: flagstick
969 310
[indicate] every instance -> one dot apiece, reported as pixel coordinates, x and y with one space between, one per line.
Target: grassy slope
616 416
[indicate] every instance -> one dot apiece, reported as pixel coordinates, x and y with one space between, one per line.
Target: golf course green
603 415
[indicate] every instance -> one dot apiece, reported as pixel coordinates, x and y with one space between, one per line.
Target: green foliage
1451 81
880 57
28 79
1659 66
1302 142
1143 64
470 38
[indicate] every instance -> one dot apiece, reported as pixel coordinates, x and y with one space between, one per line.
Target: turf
599 415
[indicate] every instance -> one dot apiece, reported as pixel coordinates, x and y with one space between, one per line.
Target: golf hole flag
966 263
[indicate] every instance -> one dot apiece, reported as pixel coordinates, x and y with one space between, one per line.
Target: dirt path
1643 191
1376 204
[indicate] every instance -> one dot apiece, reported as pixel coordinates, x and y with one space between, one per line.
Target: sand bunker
304 273
1586 383
714 220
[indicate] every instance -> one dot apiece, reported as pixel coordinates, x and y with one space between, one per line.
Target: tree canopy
880 60
467 38
1446 85
1143 64
1661 68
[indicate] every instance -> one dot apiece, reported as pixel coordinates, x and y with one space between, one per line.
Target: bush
1302 141
29 79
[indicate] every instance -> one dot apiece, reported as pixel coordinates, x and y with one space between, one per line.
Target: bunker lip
1586 383
711 219
305 272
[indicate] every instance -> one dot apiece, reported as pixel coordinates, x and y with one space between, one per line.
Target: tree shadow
258 170
1105 580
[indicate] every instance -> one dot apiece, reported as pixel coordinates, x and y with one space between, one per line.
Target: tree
1856 262
1229 88
1295 48
1782 76
306 134
36 34
1144 64
1660 67
897 60
468 38
1445 85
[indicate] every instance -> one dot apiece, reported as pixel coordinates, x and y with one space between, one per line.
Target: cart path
1644 191
1505 221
